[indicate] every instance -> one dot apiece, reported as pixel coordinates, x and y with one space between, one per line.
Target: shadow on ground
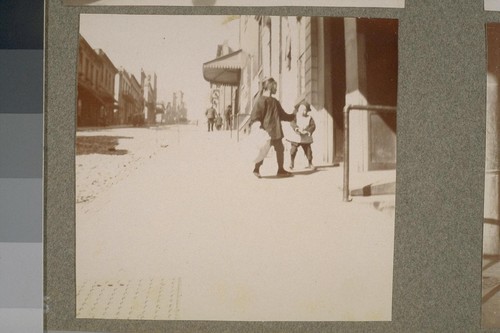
101 144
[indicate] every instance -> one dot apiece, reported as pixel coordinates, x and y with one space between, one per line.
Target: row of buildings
330 62
111 96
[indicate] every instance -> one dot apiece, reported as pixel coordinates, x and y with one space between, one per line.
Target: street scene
249 175
491 227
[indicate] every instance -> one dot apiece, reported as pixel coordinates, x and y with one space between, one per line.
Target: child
218 122
303 127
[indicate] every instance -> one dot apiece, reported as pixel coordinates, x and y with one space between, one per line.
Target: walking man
229 116
268 111
211 113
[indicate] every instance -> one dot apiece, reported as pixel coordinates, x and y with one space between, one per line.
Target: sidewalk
191 234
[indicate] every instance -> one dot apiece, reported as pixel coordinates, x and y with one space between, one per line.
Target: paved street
187 232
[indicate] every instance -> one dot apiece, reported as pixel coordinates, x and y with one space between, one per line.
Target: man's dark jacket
269 112
210 113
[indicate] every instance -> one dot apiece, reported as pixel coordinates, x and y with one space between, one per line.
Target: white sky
175 47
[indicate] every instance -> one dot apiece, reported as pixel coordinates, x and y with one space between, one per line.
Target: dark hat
267 78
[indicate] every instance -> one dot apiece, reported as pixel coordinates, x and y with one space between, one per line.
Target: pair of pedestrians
214 118
268 111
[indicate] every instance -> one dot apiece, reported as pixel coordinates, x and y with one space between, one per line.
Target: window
301 57
80 62
265 46
287 51
88 72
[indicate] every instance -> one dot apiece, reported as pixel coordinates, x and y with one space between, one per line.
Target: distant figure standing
268 111
218 122
229 117
303 126
211 113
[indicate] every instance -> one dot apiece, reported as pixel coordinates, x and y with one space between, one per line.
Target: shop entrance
373 75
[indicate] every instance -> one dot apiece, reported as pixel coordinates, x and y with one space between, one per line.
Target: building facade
130 100
176 110
331 63
149 86
96 87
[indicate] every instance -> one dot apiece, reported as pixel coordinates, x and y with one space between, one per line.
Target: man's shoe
257 174
284 173
311 167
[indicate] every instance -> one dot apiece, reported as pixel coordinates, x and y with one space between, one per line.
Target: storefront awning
225 70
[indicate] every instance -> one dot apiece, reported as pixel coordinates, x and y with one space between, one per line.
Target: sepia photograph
493 5
242 168
263 3
491 228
